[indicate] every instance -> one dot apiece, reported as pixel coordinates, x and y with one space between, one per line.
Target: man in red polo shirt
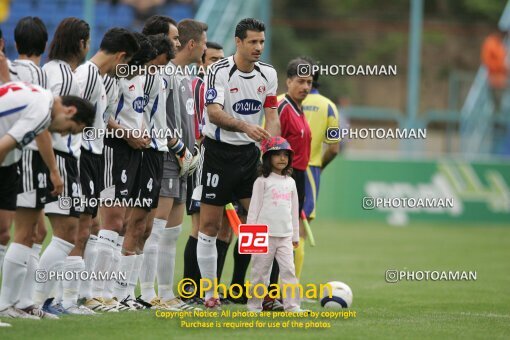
295 129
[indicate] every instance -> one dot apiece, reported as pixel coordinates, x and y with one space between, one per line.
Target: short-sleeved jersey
321 114
179 107
131 103
93 90
154 116
296 131
62 82
27 71
198 104
111 86
25 111
242 96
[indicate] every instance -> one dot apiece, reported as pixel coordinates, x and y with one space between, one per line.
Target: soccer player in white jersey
68 49
156 24
154 118
179 161
25 111
37 168
122 165
117 47
239 90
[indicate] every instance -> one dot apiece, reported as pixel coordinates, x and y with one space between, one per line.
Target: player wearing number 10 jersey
238 90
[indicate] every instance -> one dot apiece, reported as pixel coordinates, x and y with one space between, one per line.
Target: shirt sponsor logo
247 106
138 104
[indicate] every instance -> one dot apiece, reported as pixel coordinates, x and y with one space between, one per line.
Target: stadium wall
480 191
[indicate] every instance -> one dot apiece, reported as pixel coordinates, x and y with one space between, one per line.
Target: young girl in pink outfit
274 202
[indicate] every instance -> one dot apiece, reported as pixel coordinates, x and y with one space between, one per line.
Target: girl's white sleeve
295 214
256 201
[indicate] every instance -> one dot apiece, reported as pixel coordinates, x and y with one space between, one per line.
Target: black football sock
273 279
222 248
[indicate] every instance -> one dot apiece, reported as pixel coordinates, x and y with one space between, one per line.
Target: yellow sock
299 257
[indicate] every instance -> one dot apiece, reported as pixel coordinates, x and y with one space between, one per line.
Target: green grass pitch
359 254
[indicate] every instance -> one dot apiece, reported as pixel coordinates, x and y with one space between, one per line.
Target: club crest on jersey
247 106
261 89
138 104
210 95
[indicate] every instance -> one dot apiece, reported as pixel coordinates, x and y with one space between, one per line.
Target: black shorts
151 176
228 170
35 187
122 166
91 179
8 186
68 170
193 193
299 178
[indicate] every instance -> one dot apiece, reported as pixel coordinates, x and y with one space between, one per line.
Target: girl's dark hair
266 168
66 43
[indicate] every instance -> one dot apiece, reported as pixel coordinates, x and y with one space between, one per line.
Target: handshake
187 161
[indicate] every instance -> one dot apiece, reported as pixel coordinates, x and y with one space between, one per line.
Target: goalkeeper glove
184 157
196 159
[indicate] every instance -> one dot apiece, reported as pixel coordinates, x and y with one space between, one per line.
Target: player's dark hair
85 112
212 45
119 39
266 168
293 66
315 75
30 36
162 44
66 43
248 24
157 24
146 53
190 29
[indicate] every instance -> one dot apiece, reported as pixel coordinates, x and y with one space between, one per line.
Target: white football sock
51 260
3 249
133 278
14 269
75 265
27 298
108 291
166 261
89 256
106 241
120 288
150 261
207 257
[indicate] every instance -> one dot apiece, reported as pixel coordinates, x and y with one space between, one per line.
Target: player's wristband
178 148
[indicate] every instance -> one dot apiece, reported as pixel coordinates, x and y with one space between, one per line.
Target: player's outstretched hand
58 183
256 132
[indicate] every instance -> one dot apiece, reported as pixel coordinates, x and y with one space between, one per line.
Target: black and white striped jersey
62 82
111 85
93 90
27 71
154 116
242 96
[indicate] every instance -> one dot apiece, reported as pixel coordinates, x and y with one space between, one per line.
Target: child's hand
295 244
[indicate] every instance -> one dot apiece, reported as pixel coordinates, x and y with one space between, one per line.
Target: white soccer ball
341 295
